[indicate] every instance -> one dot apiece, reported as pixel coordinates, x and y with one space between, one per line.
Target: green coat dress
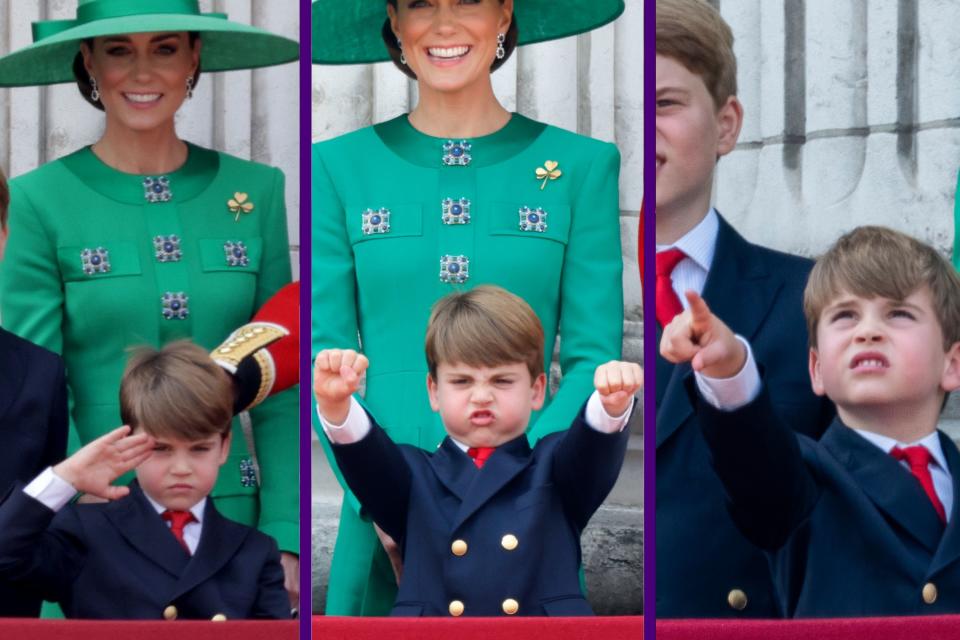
400 219
99 261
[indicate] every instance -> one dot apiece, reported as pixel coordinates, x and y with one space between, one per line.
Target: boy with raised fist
485 524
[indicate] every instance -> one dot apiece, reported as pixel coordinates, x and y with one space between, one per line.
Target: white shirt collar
463 447
197 509
700 243
886 444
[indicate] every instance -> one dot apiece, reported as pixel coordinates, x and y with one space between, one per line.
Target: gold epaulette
245 341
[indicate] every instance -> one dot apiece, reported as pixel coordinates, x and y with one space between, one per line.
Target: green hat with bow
348 31
226 45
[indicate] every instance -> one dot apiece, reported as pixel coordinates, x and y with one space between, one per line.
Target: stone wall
591 84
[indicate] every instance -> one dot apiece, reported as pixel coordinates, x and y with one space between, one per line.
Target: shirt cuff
599 420
728 394
353 429
50 490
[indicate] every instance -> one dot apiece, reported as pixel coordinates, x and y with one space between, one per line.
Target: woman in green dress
143 238
458 192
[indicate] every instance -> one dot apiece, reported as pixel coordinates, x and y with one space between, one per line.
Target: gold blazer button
170 613
510 606
509 542
737 599
456 608
459 547
929 593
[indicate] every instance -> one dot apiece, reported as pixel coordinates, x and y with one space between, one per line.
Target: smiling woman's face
450 44
142 77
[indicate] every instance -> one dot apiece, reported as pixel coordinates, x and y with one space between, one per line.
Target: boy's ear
950 380
539 391
816 380
225 447
729 121
432 388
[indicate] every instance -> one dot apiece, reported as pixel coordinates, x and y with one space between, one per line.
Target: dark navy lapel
886 483
453 468
949 550
220 539
500 468
14 372
140 524
740 291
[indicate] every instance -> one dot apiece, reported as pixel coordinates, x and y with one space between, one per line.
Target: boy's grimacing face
485 406
691 134
877 352
180 473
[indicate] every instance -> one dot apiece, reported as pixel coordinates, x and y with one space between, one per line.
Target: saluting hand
617 382
701 338
92 468
336 376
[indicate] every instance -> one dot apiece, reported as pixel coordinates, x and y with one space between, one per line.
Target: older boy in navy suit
863 522
33 422
705 567
486 525
160 549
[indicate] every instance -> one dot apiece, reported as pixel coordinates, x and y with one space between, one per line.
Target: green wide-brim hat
348 32
226 45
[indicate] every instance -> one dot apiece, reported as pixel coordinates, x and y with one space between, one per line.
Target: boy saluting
487 525
864 521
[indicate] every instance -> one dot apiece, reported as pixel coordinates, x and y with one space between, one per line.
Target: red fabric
915 628
16 628
284 309
178 520
480 455
919 458
668 304
501 628
640 245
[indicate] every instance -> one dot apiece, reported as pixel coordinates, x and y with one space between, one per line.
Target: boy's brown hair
176 392
872 262
484 327
694 34
4 201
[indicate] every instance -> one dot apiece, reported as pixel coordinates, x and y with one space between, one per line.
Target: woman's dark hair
83 78
393 48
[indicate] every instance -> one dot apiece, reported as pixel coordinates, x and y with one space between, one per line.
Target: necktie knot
178 520
919 458
480 455
668 304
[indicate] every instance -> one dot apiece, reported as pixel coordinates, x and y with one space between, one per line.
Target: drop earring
403 58
189 87
501 52
94 90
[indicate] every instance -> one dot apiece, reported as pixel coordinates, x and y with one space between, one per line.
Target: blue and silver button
157 189
454 269
455 211
167 248
175 305
376 221
236 253
95 260
533 219
457 153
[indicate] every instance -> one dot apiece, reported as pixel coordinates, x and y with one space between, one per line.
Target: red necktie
178 520
919 458
668 304
480 455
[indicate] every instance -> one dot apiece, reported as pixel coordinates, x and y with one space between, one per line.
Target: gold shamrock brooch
238 204
548 172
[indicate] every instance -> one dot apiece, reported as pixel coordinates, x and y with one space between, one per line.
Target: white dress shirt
729 394
699 245
357 423
54 492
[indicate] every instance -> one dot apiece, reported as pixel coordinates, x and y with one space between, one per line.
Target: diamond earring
403 58
189 87
501 52
94 90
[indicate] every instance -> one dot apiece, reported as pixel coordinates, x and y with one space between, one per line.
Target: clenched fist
702 339
617 382
336 376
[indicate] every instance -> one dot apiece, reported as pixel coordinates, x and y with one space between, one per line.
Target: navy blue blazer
509 531
849 531
701 557
33 434
119 560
